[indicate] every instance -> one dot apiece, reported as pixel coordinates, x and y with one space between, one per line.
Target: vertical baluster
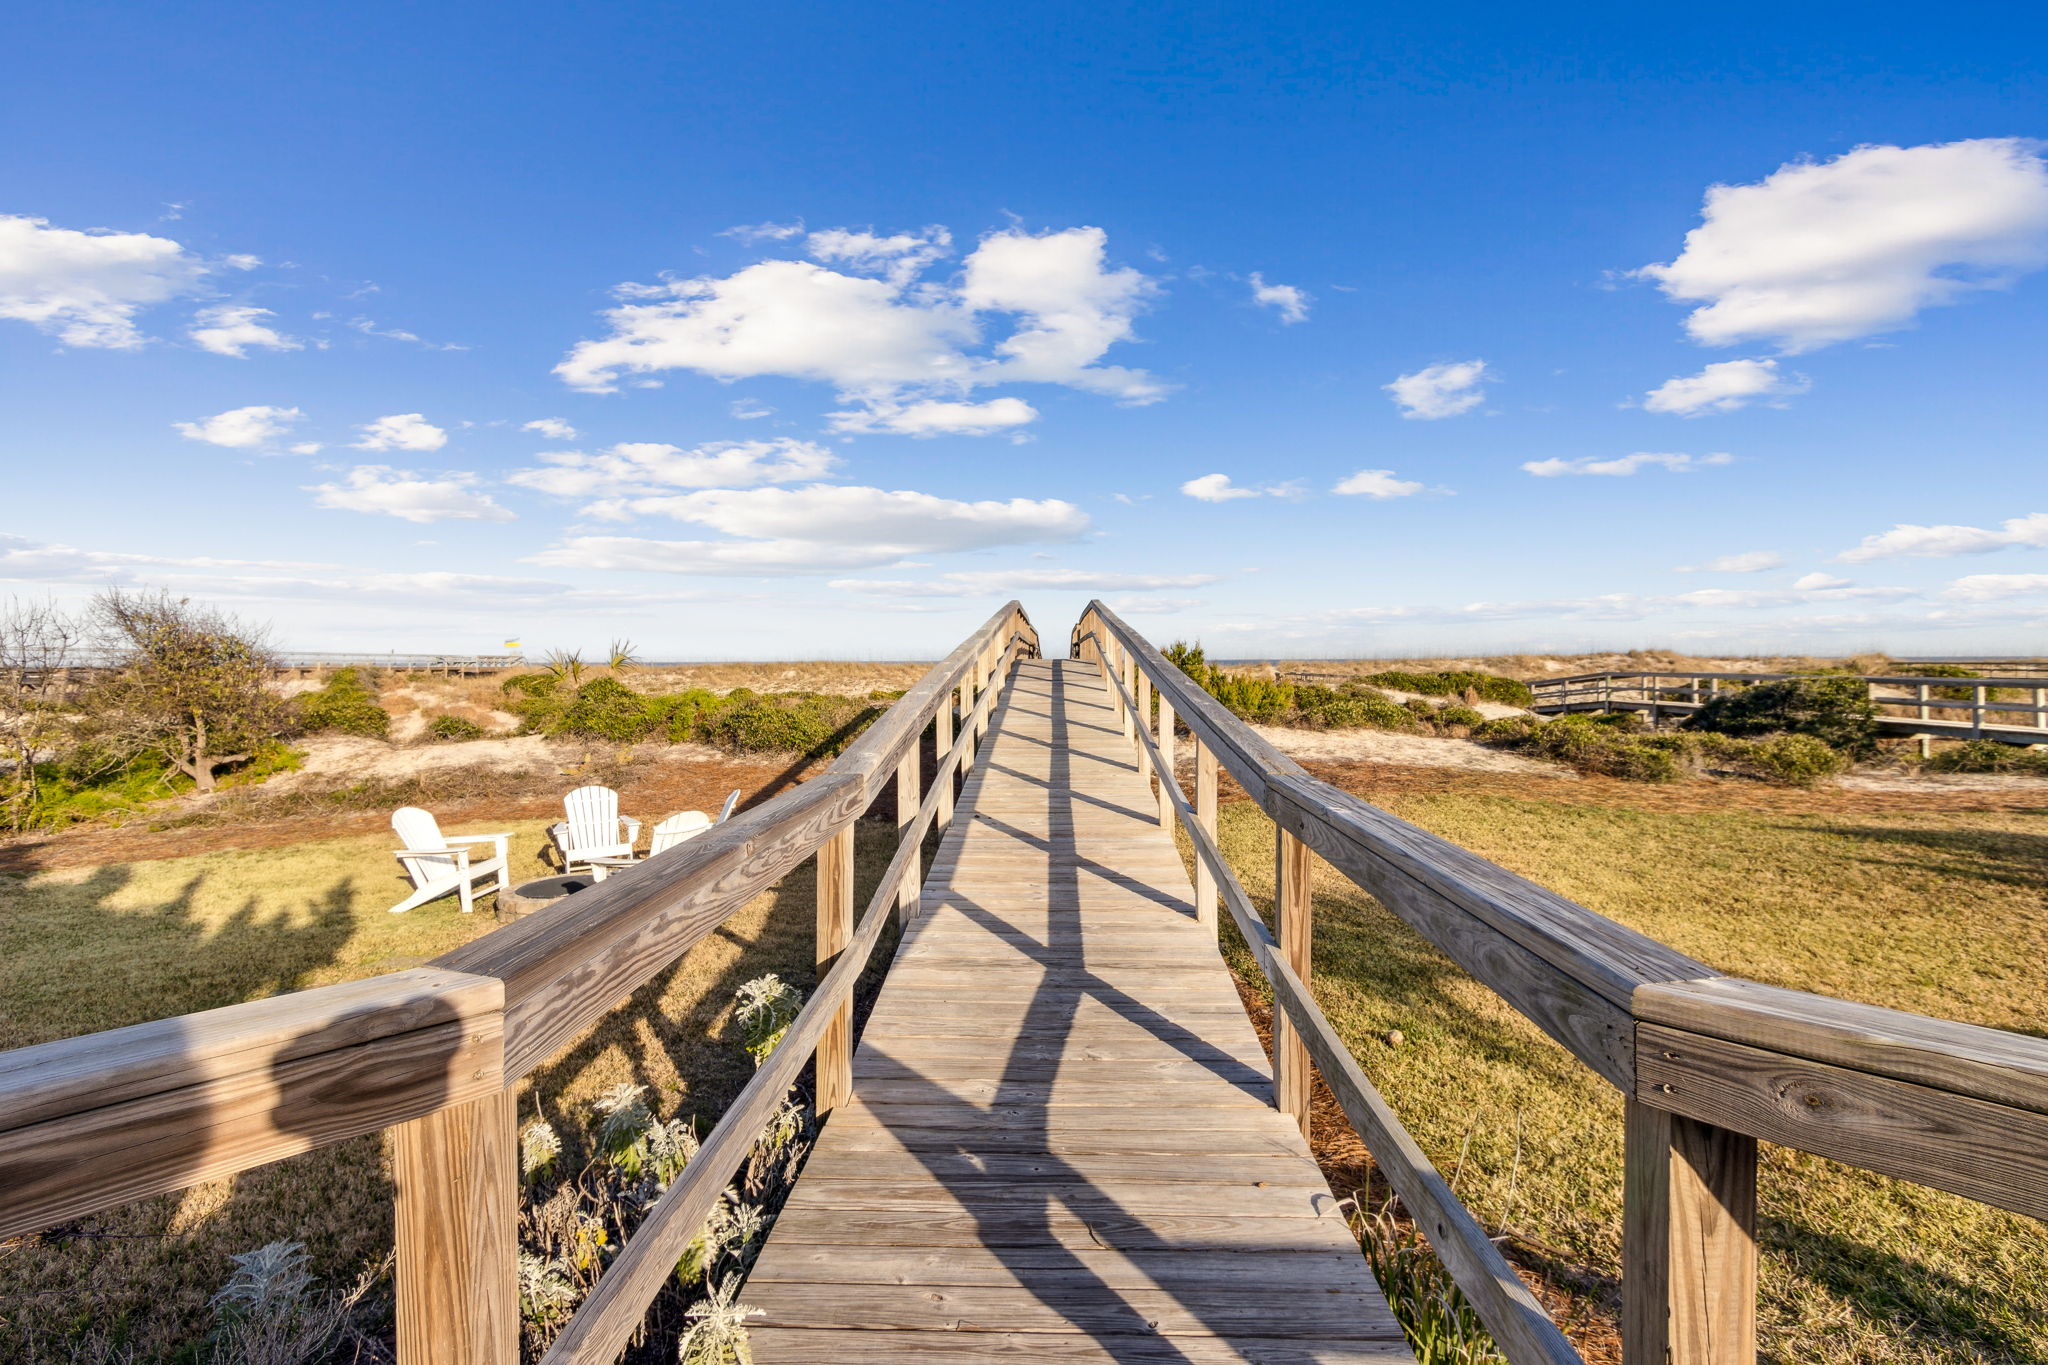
834 1060
942 744
1167 778
1205 816
909 796
1688 1242
1291 1074
456 1173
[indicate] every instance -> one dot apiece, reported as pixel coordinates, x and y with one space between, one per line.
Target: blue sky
781 330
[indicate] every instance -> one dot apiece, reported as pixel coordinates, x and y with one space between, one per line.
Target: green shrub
1795 760
530 685
1833 708
1988 756
1590 743
1459 715
454 728
812 724
1485 686
346 705
1188 658
1321 708
606 708
1960 693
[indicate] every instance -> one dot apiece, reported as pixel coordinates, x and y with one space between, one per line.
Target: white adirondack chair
594 829
670 832
439 863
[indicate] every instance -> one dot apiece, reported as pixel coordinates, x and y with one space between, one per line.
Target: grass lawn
90 948
1939 913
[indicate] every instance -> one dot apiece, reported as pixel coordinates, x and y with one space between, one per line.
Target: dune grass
1941 914
100 947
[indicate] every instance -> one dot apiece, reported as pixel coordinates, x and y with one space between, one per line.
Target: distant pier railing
2010 709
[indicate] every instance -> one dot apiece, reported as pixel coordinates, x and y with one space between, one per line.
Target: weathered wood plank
1990 1152
1688 1242
456 1179
1071 1303
797 1346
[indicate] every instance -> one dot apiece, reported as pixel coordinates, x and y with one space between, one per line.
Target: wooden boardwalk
1062 1142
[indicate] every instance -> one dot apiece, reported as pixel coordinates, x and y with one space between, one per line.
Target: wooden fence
1988 708
434 1054
1708 1063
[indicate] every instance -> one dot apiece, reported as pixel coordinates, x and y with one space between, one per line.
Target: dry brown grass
97 946
1535 666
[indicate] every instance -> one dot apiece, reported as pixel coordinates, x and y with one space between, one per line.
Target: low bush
530 685
1793 760
1611 744
816 725
607 709
1987 756
1458 715
1959 693
1323 708
1456 683
346 705
454 728
1833 708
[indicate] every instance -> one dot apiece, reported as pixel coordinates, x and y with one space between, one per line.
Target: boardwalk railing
434 1054
1910 704
1708 1063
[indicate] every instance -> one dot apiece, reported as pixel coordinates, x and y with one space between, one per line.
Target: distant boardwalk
1062 1140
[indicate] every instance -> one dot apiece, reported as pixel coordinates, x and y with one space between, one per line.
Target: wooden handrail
1518 1323
606 1321
93 1122
1709 1062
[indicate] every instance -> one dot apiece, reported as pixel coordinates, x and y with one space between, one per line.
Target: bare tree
190 683
38 644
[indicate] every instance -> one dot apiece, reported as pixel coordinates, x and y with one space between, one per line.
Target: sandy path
1413 751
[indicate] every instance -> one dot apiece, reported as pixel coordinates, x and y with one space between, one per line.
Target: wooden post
909 796
966 703
1129 672
457 1224
1169 781
1143 695
1688 1242
1922 689
942 744
834 1060
1205 816
1291 1073
1977 715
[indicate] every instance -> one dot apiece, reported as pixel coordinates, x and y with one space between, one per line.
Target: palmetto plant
566 665
620 654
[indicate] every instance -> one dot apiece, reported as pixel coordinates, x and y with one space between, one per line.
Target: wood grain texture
1982 1063
834 1059
1688 1242
1990 1152
456 1177
1206 776
1292 1079
278 1101
1027 1096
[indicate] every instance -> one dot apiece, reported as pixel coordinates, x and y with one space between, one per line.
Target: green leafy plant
454 728
1451 683
344 705
1833 708
764 1008
1440 1323
1987 756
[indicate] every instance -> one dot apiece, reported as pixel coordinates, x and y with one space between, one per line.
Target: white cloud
634 467
1377 483
1724 387
765 232
409 496
1815 582
995 582
1440 390
748 409
817 528
554 428
242 428
1217 488
369 328
937 417
886 342
308 448
1625 465
1988 587
85 288
1939 542
900 258
401 431
1821 252
1749 561
1292 303
231 329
